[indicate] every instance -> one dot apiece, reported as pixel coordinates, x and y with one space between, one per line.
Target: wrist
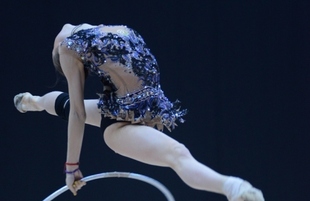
69 166
71 171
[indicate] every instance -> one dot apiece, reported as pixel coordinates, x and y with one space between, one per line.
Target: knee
62 106
179 152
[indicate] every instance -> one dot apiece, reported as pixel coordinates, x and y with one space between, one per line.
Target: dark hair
57 63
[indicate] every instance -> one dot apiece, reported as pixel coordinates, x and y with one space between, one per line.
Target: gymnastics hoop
129 175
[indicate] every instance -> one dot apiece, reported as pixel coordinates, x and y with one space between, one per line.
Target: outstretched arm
74 72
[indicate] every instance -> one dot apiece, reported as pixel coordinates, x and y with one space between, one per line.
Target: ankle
36 102
231 187
32 103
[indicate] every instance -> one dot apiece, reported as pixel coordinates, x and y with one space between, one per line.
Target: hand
74 182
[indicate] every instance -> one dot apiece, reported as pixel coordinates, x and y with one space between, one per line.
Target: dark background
240 67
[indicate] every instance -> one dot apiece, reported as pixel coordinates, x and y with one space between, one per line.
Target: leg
150 146
27 102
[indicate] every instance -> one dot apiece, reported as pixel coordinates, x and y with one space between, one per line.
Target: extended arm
74 72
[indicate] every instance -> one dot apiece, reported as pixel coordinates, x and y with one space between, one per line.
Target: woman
132 103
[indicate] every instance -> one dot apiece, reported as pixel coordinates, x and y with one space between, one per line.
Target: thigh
93 114
141 143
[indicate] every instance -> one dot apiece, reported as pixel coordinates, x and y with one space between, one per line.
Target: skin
138 142
155 148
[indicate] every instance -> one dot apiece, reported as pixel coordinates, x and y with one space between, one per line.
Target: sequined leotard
130 75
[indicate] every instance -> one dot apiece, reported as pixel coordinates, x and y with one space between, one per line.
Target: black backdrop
240 67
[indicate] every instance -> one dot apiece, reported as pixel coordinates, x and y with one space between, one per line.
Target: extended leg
25 102
150 146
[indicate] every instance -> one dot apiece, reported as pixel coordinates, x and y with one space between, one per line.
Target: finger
70 183
79 184
83 182
72 188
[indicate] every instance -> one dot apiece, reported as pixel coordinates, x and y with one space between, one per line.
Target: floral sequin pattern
146 106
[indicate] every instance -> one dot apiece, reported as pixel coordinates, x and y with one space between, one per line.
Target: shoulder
61 36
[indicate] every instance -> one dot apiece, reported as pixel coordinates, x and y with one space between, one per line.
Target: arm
74 72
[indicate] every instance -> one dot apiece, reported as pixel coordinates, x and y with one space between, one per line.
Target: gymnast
132 110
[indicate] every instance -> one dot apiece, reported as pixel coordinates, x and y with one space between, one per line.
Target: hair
56 63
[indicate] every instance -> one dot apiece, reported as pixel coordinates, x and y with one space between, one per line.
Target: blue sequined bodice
126 46
121 59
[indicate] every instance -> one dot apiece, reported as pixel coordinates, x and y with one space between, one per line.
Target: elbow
80 116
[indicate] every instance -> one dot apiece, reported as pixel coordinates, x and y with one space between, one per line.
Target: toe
18 102
253 195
